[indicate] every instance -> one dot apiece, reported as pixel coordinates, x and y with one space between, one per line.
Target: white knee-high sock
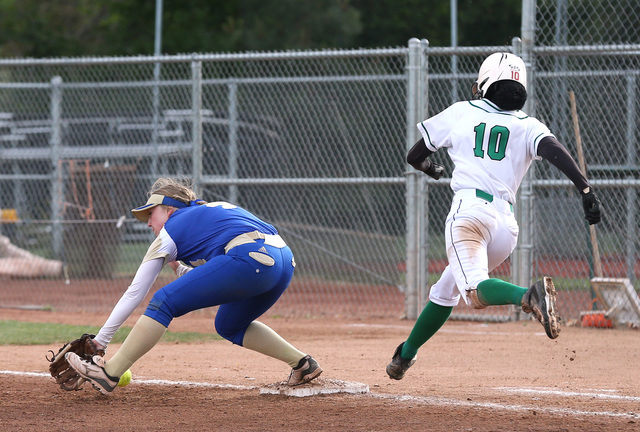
144 335
261 338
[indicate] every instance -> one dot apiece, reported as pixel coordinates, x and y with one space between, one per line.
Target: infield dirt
469 377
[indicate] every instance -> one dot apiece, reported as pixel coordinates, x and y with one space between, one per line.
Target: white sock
261 338
144 335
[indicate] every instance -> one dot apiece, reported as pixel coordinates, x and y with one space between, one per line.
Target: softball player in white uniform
492 144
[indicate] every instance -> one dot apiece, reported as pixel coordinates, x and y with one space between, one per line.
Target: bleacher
98 137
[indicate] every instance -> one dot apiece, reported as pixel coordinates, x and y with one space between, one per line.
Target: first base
315 387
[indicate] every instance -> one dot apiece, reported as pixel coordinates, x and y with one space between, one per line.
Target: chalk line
427 400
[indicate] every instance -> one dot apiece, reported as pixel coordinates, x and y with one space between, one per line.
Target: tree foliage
51 28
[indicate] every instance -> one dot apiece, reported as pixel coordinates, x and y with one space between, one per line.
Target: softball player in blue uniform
224 256
492 144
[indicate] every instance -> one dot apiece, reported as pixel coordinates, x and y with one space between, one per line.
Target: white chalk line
592 395
150 381
487 332
430 400
427 400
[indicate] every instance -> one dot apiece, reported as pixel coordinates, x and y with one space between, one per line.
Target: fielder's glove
66 377
431 169
591 205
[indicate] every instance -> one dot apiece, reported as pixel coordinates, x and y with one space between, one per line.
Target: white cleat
93 372
307 370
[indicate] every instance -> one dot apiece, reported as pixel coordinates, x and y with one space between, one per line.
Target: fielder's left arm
179 269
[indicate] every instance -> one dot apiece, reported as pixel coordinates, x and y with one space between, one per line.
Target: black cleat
398 366
540 300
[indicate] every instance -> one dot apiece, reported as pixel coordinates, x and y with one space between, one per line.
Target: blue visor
142 213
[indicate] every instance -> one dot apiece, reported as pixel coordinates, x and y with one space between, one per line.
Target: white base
315 387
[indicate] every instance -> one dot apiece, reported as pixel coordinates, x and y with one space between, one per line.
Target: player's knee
232 334
233 337
160 309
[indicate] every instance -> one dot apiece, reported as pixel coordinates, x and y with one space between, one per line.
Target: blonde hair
178 189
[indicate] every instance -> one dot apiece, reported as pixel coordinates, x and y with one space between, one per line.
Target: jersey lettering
497 145
479 130
224 205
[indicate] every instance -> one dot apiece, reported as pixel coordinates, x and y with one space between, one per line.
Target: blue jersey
245 281
201 232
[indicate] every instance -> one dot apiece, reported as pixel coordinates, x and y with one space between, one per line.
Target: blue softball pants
243 288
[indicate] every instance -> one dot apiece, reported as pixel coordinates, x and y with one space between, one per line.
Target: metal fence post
233 141
155 120
196 107
522 259
414 193
423 196
56 178
631 193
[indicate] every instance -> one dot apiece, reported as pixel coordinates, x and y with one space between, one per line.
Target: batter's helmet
499 67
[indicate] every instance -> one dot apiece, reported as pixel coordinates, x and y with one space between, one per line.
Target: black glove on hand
591 205
431 169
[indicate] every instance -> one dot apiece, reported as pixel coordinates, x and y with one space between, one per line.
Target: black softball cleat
540 300
398 366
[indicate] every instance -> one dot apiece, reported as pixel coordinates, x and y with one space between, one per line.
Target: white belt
503 205
251 237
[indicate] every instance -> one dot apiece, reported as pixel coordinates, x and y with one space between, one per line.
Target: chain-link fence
313 142
589 50
555 239
587 22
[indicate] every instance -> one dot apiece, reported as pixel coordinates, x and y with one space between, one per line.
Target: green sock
433 316
498 292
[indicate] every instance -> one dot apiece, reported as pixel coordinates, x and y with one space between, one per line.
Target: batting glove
591 205
431 169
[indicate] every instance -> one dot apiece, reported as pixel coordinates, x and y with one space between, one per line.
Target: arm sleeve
131 299
550 149
418 154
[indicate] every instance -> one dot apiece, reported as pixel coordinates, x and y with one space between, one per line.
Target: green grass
29 333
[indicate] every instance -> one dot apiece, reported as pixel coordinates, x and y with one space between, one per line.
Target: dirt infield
302 298
469 377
